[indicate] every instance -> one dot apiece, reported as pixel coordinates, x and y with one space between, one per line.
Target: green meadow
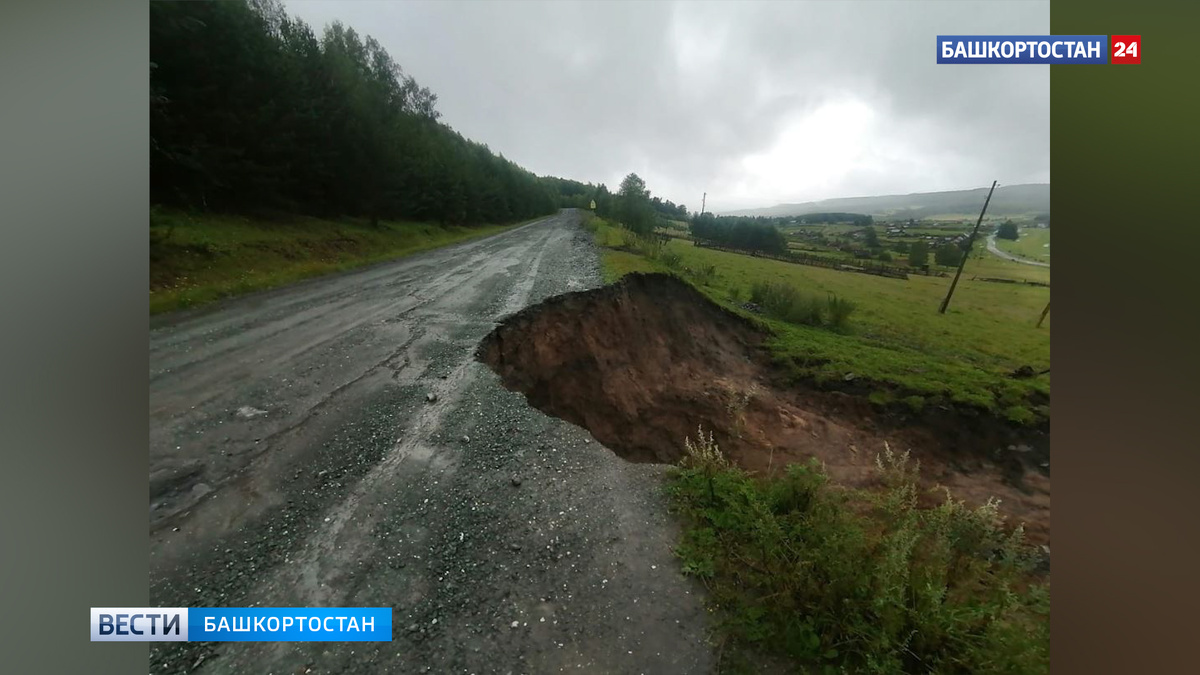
896 343
197 259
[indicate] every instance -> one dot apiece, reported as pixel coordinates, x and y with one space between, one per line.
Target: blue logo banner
290 624
1032 49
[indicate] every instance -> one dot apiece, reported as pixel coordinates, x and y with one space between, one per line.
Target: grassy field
196 259
898 344
807 576
830 580
1033 244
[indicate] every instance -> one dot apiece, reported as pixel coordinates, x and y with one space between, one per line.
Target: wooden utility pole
963 262
703 200
1044 313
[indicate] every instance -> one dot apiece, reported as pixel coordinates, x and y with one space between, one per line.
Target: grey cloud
684 93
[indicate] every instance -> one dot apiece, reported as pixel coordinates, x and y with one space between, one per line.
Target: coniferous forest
252 111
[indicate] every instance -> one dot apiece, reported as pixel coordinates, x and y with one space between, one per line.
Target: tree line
635 209
251 110
738 232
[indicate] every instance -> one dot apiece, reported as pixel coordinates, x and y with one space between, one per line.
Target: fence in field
1012 281
860 266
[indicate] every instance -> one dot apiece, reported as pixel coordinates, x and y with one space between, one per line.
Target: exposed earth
340 443
648 361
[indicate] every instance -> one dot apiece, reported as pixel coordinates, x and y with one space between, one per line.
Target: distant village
895 235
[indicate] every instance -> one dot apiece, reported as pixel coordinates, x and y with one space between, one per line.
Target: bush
704 275
650 246
884 256
788 303
918 254
838 311
948 255
856 580
671 260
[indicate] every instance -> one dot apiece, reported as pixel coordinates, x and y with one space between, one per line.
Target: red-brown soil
643 363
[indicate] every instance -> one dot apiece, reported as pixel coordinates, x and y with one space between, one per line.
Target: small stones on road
250 412
516 624
466 439
516 481
430 397
515 546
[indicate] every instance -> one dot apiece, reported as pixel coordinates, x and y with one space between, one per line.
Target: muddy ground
337 443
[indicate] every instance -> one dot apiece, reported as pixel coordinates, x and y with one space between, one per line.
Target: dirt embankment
643 363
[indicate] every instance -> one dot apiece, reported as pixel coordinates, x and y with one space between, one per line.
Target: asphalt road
991 245
335 443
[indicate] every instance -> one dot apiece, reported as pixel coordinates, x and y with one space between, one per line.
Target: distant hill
1008 200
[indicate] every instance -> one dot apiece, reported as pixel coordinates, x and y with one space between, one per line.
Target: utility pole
963 262
1044 313
703 200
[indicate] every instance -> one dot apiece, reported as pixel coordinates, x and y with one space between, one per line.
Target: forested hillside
251 111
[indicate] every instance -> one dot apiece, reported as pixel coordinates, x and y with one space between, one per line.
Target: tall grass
857 581
650 246
671 260
789 303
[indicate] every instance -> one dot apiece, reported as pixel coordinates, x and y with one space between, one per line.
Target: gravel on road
335 443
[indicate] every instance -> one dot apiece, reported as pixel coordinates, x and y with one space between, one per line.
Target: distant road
991 244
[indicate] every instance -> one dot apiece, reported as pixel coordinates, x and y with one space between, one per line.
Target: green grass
1032 244
197 259
828 229
895 340
984 263
834 580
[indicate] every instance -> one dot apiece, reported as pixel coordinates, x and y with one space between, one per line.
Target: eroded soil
644 363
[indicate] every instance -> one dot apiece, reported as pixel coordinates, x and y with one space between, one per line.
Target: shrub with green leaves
648 245
704 274
860 581
838 311
671 260
788 303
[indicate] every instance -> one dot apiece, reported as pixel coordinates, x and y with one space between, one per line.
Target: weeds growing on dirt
854 580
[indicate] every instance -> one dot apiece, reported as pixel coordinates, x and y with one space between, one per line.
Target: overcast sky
754 103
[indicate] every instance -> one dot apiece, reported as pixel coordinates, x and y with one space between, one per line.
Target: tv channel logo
241 624
139 624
